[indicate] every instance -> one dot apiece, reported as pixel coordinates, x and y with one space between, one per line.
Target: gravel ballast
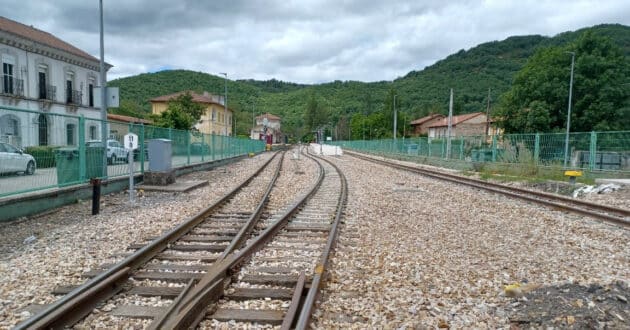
416 252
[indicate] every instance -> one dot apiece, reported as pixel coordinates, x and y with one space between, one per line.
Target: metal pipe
103 95
566 139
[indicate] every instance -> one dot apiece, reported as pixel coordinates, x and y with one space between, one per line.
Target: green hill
470 73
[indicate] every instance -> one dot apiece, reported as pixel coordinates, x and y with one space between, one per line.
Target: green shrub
44 155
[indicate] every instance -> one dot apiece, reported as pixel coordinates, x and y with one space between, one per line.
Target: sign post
131 144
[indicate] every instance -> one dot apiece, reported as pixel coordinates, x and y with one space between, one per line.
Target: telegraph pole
488 116
103 95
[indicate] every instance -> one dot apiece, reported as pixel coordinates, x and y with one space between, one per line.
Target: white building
43 79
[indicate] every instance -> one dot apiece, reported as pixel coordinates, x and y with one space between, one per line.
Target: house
421 125
268 128
216 118
44 79
469 124
119 125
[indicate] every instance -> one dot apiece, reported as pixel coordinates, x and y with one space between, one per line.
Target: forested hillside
471 73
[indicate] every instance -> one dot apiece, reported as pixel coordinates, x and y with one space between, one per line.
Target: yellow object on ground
251 154
268 147
573 173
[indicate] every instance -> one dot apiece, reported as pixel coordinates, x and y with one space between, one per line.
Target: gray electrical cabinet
160 155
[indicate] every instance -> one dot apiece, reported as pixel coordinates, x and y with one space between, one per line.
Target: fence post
188 139
203 143
494 148
82 157
213 146
536 148
592 151
429 147
461 148
143 148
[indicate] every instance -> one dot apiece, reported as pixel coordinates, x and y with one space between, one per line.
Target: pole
566 139
395 118
450 123
253 119
103 95
488 116
225 106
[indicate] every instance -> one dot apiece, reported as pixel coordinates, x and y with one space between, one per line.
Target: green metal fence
68 149
595 152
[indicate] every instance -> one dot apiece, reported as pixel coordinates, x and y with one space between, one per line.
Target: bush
44 155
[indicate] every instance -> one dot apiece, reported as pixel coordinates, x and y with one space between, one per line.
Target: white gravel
70 236
421 253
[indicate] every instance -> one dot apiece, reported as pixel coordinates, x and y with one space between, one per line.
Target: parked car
115 150
14 160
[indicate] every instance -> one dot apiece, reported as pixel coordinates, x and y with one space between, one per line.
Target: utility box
160 155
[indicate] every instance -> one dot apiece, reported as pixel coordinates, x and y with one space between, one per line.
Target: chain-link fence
594 152
42 150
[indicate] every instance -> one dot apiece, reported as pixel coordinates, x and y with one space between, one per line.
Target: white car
14 160
115 150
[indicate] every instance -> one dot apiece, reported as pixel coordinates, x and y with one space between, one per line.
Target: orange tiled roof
41 37
423 120
456 119
128 119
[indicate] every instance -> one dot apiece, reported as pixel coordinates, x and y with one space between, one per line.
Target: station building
43 79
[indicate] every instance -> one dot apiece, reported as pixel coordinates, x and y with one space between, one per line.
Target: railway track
180 255
605 213
275 278
223 264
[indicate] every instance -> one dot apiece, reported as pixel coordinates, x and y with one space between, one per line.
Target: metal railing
74 97
12 86
49 92
591 151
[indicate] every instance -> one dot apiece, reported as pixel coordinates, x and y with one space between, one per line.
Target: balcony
47 92
73 97
12 86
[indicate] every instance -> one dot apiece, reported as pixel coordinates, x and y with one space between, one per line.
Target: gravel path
416 252
71 236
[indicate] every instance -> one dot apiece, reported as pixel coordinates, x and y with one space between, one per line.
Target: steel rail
210 287
234 244
580 207
320 269
80 301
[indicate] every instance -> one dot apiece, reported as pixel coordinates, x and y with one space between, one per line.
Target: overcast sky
305 41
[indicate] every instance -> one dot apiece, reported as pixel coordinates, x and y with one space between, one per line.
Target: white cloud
301 41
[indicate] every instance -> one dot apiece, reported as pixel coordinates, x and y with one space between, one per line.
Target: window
93 133
42 122
42 85
70 128
70 95
7 78
214 114
91 94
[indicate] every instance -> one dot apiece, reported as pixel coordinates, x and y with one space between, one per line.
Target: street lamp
566 139
225 105
395 118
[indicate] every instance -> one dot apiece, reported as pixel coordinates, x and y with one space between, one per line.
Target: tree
316 114
182 113
538 98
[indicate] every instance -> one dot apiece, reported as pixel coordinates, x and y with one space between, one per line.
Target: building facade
462 125
268 128
216 118
49 83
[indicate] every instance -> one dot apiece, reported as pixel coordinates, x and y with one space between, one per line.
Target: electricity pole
566 139
450 122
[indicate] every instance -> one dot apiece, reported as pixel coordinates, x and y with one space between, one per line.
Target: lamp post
395 118
566 139
225 105
103 94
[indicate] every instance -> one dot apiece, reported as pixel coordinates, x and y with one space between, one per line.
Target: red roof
268 116
423 120
456 119
128 119
41 37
